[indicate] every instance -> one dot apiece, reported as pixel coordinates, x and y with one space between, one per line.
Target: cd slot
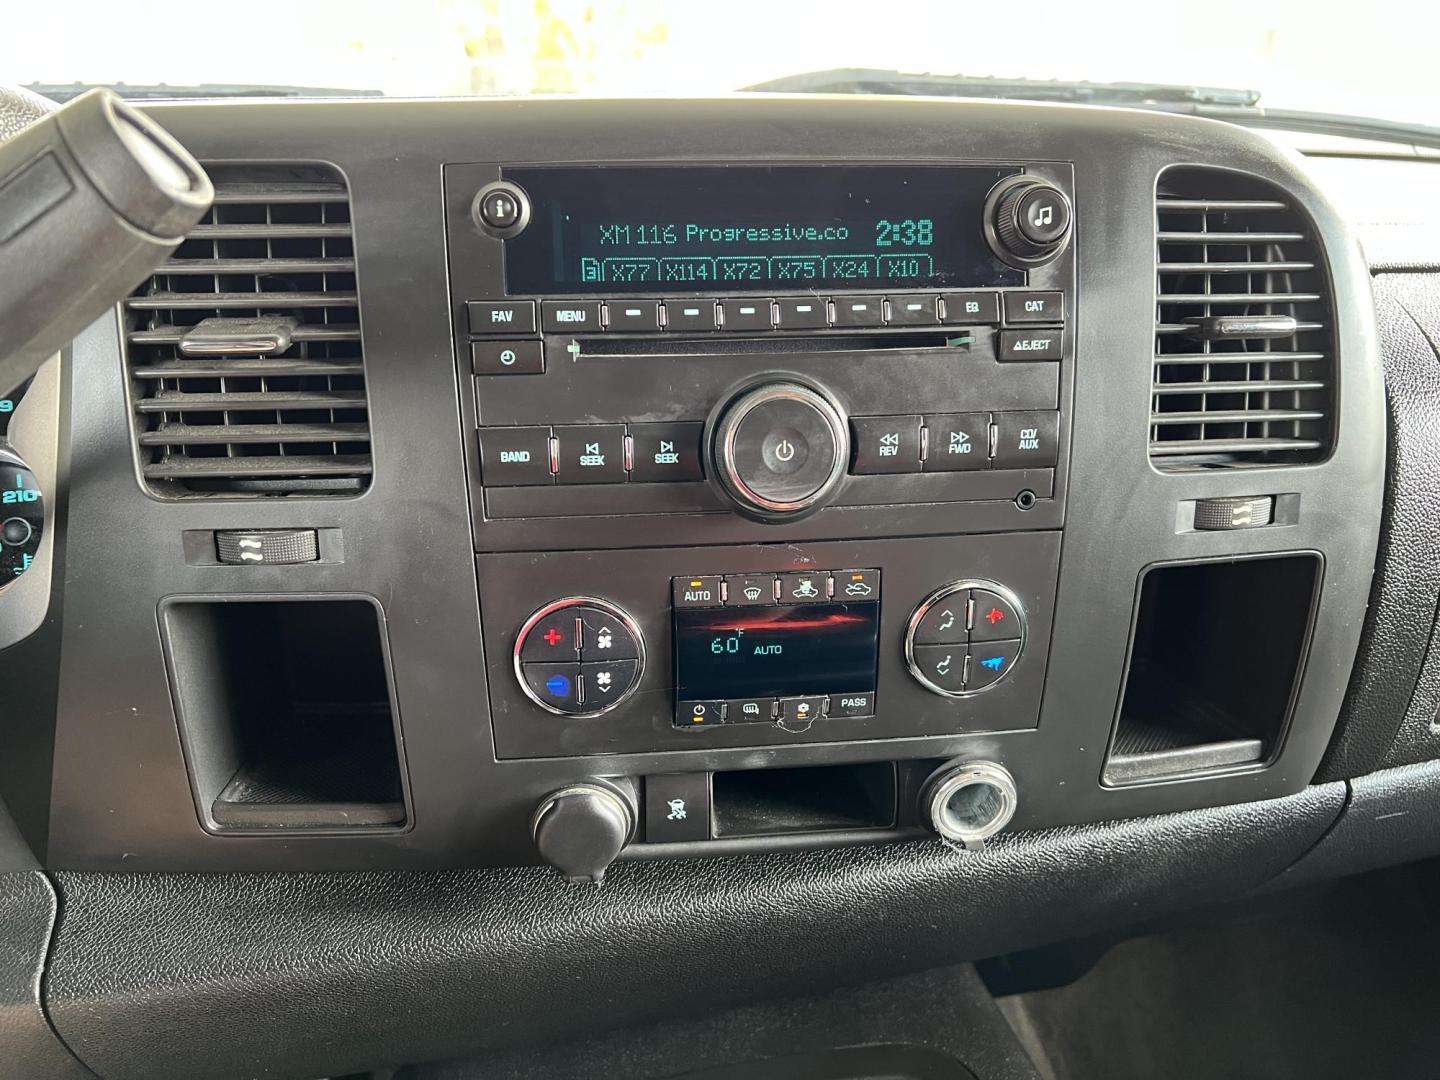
959 339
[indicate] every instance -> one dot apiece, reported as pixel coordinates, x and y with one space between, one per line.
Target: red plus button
995 618
551 639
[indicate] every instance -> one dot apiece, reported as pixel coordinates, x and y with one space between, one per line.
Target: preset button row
763 313
774 710
953 442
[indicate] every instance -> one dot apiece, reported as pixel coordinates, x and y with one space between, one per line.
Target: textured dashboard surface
28 1047
1418 737
1407 577
319 974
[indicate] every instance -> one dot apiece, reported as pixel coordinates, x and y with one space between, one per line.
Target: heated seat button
803 313
511 457
1026 440
570 316
1037 344
945 622
746 314
607 681
1034 307
634 316
995 618
665 452
800 711
942 665
591 454
991 662
885 444
957 441
677 808
553 638
555 685
859 311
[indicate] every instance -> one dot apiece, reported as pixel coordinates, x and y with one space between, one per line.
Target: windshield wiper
1216 103
63 92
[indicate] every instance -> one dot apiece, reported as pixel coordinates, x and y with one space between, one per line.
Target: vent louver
244 350
1244 348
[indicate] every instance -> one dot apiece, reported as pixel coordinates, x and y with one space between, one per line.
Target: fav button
995 618
591 454
666 452
991 662
501 316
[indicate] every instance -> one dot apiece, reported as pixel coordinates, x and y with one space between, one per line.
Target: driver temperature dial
580 656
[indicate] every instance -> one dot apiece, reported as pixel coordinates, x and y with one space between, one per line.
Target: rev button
591 454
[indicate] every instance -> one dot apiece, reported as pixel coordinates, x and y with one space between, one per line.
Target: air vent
243 350
1244 346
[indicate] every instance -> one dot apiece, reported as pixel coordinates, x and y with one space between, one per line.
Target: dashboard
705 484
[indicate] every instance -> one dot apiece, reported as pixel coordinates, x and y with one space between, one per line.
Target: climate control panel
767 644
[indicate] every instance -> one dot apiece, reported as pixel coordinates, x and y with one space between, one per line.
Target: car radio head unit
753 228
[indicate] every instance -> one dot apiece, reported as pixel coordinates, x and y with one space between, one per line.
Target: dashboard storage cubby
286 713
1215 657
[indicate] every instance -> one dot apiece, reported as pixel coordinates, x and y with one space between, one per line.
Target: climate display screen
776 651
754 229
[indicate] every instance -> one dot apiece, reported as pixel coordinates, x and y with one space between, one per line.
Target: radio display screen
748 228
776 651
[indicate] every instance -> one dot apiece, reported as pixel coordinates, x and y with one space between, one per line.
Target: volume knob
1027 221
779 450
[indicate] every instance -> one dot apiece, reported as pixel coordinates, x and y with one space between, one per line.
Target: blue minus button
559 685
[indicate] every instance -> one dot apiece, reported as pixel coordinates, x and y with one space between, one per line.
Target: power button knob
1027 220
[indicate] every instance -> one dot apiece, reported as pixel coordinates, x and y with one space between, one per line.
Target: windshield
1367 59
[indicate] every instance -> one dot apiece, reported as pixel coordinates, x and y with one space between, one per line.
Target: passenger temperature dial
22 517
579 656
965 637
